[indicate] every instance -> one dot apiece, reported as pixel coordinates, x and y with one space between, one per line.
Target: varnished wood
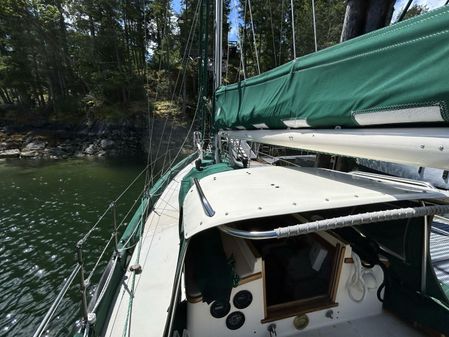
294 308
264 292
250 278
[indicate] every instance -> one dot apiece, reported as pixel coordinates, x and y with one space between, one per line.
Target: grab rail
208 210
338 222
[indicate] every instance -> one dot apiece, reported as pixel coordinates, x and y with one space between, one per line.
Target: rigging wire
272 32
150 122
404 11
148 177
242 61
281 32
242 43
169 191
227 62
293 28
186 54
189 47
254 36
188 134
128 320
314 25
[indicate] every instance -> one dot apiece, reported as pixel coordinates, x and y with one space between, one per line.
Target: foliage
273 30
83 58
62 57
416 10
54 54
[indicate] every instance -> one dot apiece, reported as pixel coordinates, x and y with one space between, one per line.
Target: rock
56 152
28 154
106 143
101 154
36 145
10 153
113 153
90 149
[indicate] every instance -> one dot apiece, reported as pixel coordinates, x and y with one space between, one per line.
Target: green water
45 207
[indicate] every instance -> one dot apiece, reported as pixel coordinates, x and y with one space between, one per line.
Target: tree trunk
378 14
4 96
365 16
354 20
184 96
8 96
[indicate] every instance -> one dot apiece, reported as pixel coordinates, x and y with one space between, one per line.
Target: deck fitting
136 268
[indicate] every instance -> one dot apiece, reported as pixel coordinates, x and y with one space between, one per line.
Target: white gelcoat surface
427 147
410 115
273 190
384 325
159 256
200 323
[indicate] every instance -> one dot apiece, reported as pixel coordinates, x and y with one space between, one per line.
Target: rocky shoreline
48 143
100 140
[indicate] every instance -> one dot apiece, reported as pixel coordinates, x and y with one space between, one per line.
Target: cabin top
273 190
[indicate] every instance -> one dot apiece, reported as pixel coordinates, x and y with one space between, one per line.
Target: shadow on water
45 208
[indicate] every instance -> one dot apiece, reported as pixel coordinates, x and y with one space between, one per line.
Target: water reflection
45 207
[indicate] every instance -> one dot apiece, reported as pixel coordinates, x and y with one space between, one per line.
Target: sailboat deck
145 314
384 324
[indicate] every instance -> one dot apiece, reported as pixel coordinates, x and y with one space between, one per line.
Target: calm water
45 207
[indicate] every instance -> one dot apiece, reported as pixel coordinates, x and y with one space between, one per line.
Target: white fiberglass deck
158 258
273 190
383 325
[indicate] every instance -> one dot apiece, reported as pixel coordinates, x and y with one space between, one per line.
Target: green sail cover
399 74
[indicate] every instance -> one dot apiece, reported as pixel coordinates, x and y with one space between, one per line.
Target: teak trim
294 308
325 301
250 278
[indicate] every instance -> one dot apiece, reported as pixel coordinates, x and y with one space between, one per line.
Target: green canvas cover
401 72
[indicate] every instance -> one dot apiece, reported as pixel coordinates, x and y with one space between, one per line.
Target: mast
218 51
218 43
203 66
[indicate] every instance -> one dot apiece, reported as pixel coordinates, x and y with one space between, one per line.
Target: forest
67 61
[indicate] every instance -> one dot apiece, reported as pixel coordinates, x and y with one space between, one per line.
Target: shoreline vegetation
67 66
